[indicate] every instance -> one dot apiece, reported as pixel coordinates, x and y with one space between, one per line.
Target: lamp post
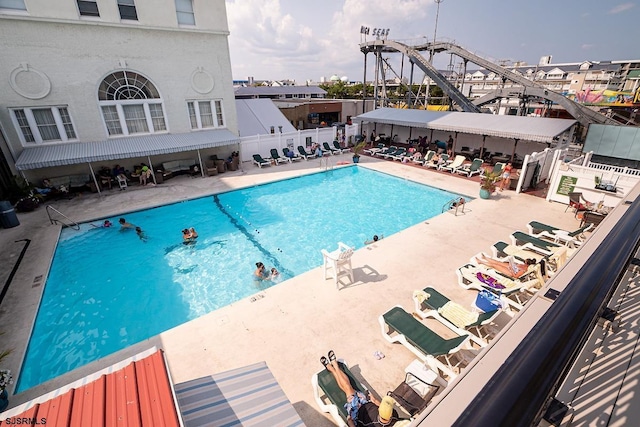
431 54
435 30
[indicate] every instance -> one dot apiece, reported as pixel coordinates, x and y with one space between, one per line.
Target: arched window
130 104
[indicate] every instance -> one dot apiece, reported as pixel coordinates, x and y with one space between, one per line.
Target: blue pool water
108 289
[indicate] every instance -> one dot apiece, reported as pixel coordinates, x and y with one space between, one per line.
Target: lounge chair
385 150
452 315
292 157
337 146
259 161
444 158
278 158
457 162
534 271
473 168
498 168
389 154
375 149
427 157
328 395
327 148
502 250
569 238
413 158
399 326
305 154
398 155
480 278
545 247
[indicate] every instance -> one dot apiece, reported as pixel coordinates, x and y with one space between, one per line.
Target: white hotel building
87 83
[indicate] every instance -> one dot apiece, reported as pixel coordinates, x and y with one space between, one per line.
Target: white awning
122 148
538 129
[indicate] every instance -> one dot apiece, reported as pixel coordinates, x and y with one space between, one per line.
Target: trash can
8 216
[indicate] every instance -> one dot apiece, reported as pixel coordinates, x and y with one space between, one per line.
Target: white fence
537 167
570 177
262 144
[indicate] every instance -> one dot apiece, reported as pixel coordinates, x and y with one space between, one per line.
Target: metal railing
52 220
454 203
519 392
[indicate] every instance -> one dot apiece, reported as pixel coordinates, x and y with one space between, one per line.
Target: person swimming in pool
124 225
260 274
189 236
105 224
141 234
375 239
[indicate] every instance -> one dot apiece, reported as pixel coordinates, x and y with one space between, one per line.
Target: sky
303 40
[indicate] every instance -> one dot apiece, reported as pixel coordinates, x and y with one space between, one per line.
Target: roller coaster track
581 113
456 96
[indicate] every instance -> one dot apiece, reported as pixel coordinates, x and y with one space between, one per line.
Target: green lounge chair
278 158
543 246
336 146
431 303
327 148
474 168
498 168
326 389
479 277
541 230
420 340
305 154
291 157
259 161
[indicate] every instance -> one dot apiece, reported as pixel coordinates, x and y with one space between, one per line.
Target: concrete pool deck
294 323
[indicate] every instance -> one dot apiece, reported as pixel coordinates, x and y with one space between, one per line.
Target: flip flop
324 361
332 355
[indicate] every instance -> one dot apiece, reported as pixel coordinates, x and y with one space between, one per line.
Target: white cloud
587 46
621 8
278 39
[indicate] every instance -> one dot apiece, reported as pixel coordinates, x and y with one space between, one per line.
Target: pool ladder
71 223
453 203
325 163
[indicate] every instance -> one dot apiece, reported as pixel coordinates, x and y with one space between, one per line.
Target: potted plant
357 149
488 182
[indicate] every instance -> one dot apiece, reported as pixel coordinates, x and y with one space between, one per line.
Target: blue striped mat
248 396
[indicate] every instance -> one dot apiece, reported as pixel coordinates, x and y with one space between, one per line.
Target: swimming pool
109 289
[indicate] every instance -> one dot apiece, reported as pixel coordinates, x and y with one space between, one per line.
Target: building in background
125 76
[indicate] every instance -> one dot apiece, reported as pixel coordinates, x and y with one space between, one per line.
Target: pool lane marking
252 239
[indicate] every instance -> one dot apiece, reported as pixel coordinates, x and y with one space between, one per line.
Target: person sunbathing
509 268
362 410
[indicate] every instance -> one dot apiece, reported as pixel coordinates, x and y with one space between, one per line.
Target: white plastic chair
339 261
122 182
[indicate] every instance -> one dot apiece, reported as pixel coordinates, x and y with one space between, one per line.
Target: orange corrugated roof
139 394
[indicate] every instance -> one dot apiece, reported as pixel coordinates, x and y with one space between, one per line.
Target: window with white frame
130 104
201 114
127 9
184 11
44 124
12 4
88 8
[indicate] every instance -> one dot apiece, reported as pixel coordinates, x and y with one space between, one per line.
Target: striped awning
248 396
537 129
122 148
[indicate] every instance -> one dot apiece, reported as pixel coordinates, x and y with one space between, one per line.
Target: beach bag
488 301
